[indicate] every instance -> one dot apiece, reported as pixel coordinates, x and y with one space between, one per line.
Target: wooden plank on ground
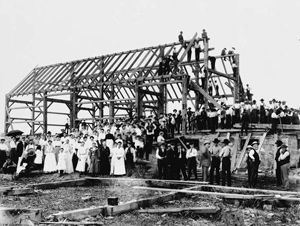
196 210
73 223
51 185
142 203
80 213
19 216
252 190
22 191
220 194
243 151
234 151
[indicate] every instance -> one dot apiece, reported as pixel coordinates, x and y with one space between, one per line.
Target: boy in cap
278 169
215 165
284 160
226 163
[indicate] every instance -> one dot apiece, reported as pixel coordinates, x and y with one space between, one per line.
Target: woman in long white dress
82 157
69 154
62 160
50 161
118 160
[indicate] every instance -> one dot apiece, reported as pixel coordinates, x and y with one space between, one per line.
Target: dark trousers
162 168
253 174
278 174
10 170
215 165
226 173
197 54
192 166
274 125
182 167
237 115
173 129
244 127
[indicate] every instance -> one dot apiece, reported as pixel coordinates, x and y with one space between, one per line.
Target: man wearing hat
253 161
205 160
215 164
226 163
3 151
284 160
161 155
181 153
191 155
262 111
278 167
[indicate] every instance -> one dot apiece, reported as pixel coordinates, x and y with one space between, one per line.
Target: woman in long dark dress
104 159
130 154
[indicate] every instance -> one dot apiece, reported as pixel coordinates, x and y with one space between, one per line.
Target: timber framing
124 82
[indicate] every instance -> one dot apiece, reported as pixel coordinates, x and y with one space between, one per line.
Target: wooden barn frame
125 81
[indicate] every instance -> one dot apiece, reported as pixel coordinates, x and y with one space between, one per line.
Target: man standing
278 168
180 37
262 111
223 53
217 88
197 50
205 160
161 154
181 152
215 165
253 164
191 155
226 163
284 160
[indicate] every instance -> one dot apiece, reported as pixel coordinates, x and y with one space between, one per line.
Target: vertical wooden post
73 99
196 73
112 104
93 116
274 154
7 122
138 100
33 104
205 41
162 98
45 115
184 102
101 103
237 83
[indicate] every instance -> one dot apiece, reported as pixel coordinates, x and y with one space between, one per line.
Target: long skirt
94 164
81 164
50 163
118 166
69 163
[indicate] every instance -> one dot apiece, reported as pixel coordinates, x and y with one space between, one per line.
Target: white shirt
3 147
160 139
283 156
192 152
225 152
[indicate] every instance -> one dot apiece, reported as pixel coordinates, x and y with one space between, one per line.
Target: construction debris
195 210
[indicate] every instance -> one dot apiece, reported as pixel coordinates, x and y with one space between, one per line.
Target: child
82 157
39 158
61 165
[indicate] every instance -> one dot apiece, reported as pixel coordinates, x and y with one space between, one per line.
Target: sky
265 33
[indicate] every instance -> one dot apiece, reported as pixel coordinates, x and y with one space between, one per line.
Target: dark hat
278 142
249 147
284 146
226 141
92 137
189 108
216 140
255 142
261 99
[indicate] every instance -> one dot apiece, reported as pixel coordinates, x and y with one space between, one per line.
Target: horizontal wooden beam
150 92
101 101
229 76
58 94
59 125
267 126
85 109
20 101
150 106
160 83
88 98
25 107
58 101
